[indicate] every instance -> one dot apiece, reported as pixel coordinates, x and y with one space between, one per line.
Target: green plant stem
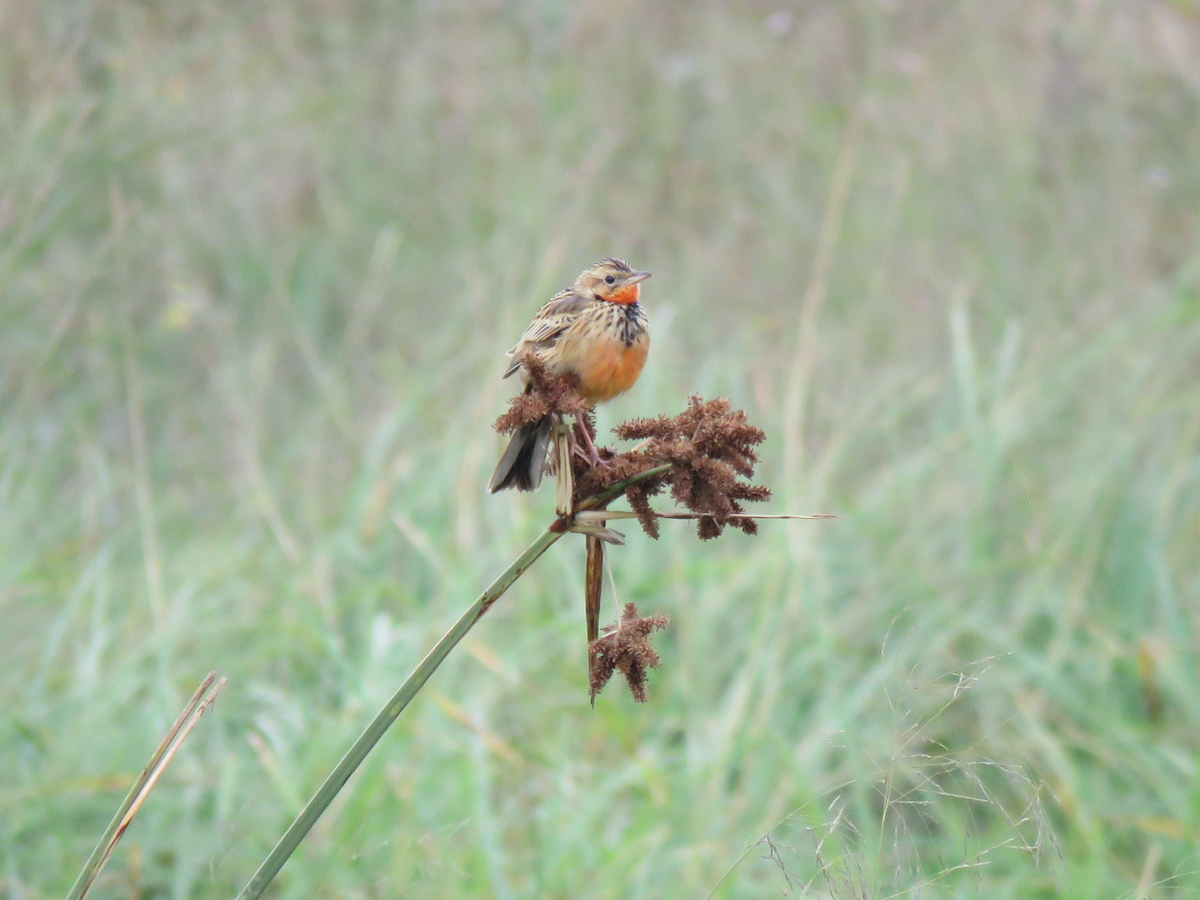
380 724
337 779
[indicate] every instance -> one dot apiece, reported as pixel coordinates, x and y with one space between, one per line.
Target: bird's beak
637 277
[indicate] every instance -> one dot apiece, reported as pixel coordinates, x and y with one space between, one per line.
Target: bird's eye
609 279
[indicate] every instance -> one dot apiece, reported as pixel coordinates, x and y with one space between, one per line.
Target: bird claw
590 454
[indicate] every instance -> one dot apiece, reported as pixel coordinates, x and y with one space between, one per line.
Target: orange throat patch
626 295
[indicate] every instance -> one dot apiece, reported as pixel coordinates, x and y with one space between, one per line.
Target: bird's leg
592 455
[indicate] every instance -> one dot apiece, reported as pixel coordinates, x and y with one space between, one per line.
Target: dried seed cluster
710 447
544 395
626 647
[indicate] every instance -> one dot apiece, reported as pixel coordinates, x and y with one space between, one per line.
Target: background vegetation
258 267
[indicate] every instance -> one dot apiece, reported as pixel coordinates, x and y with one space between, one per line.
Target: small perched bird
597 330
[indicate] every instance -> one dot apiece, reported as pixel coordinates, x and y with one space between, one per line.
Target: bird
596 330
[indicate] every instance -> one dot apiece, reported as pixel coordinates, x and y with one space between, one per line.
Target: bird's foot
590 453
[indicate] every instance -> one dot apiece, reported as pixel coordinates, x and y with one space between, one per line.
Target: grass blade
196 707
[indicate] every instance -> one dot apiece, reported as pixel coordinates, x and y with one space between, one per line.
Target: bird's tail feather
524 459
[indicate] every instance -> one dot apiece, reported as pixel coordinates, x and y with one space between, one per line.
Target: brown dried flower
544 395
625 646
710 448
640 503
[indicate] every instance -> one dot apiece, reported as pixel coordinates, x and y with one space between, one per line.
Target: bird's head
612 280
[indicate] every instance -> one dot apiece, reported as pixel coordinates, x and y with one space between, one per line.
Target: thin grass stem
201 700
354 757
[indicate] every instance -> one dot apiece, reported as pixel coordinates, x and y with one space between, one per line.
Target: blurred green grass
258 268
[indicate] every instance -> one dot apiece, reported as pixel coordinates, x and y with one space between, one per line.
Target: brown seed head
711 449
625 646
544 395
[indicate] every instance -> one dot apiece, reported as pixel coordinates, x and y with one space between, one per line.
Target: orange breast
610 369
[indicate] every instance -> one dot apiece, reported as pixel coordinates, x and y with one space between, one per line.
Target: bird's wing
548 326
